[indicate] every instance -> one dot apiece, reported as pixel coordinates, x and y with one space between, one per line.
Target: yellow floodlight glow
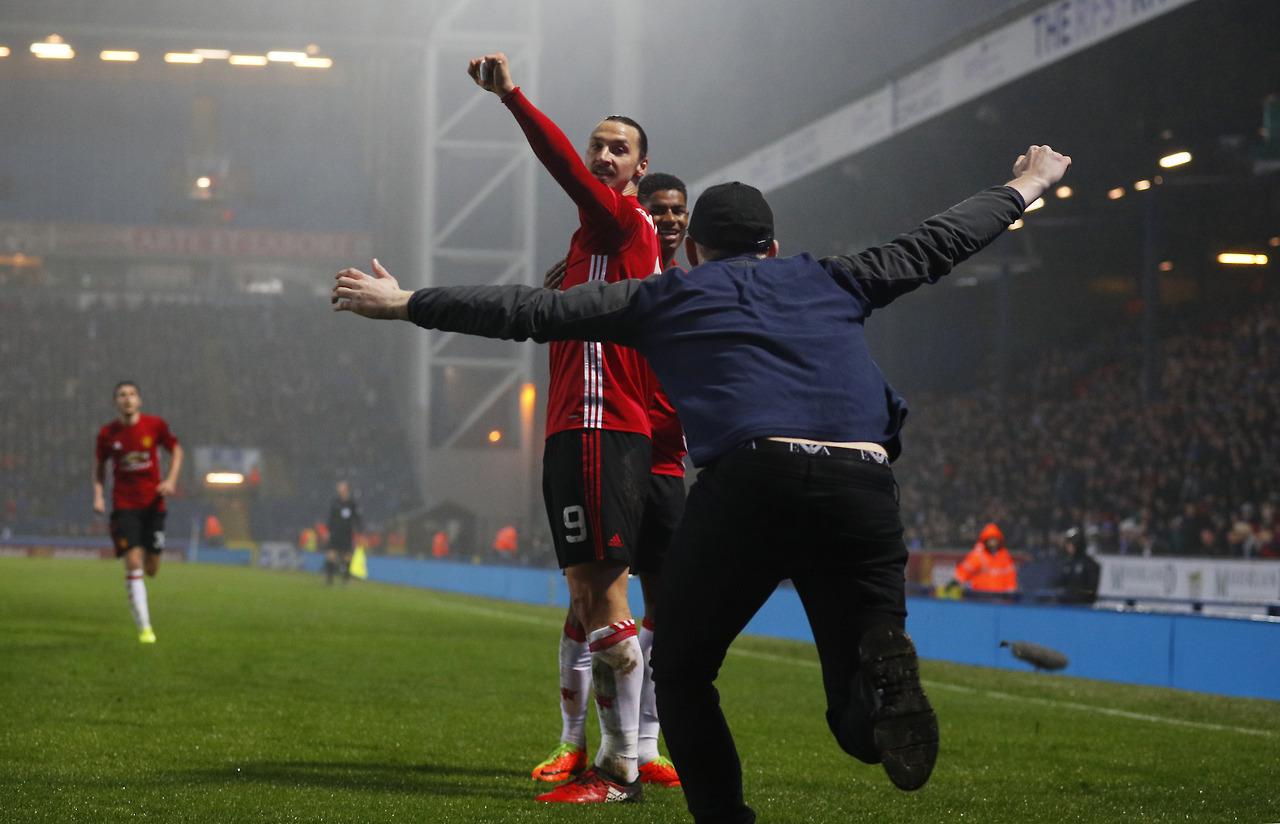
1038 203
313 63
1115 194
4 51
183 57
1142 185
247 60
286 57
224 478
119 56
212 54
203 182
1175 159
1064 192
52 51
1242 259
495 436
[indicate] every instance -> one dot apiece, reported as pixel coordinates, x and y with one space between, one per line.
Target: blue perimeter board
1224 656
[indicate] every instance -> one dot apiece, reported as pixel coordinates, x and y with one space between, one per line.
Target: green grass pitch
270 698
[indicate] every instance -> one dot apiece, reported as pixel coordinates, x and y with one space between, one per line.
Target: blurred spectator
440 545
988 567
212 530
1079 574
505 541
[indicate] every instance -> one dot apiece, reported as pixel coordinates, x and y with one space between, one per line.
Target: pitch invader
132 444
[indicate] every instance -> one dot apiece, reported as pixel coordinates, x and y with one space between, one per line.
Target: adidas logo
615 540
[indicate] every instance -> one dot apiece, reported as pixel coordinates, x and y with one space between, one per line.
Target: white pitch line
777 659
489 612
1071 705
1047 702
795 662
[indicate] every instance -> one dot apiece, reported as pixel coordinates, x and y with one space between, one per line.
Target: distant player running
132 444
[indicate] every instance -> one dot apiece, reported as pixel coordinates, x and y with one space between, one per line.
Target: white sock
617 672
575 685
138 599
648 741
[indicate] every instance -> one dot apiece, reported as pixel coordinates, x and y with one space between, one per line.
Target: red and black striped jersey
134 452
594 385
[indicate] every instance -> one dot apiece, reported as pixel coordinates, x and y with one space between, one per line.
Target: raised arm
1037 170
601 206
936 246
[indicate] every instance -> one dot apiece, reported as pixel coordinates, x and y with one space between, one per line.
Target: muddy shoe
905 727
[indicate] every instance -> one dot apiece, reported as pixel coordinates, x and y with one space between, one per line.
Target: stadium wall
1225 656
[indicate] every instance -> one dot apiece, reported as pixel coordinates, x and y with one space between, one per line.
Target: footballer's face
670 212
613 155
128 401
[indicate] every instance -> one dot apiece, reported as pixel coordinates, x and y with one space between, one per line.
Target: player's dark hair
125 383
644 138
660 182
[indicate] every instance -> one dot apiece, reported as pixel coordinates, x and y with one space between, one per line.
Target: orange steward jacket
984 571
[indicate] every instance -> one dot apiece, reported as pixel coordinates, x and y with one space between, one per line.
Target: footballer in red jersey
665 197
131 444
598 453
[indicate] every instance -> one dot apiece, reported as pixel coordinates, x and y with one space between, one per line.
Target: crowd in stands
1072 440
262 373
1192 470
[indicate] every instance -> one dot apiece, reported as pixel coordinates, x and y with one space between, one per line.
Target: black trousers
753 519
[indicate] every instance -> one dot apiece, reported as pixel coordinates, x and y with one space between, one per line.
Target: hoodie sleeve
594 311
929 251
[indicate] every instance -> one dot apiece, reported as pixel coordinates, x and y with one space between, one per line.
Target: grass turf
272 698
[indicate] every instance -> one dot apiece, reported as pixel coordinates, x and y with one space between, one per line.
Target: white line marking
497 613
1071 705
1047 702
777 659
797 662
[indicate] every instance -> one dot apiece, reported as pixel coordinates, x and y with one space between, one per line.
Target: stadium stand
248 372
1193 471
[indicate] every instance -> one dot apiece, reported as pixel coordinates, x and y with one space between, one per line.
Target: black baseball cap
732 217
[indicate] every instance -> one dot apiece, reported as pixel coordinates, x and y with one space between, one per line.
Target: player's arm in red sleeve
99 477
605 211
170 483
601 207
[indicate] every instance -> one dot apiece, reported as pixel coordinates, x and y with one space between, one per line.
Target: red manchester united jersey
594 385
668 436
134 451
